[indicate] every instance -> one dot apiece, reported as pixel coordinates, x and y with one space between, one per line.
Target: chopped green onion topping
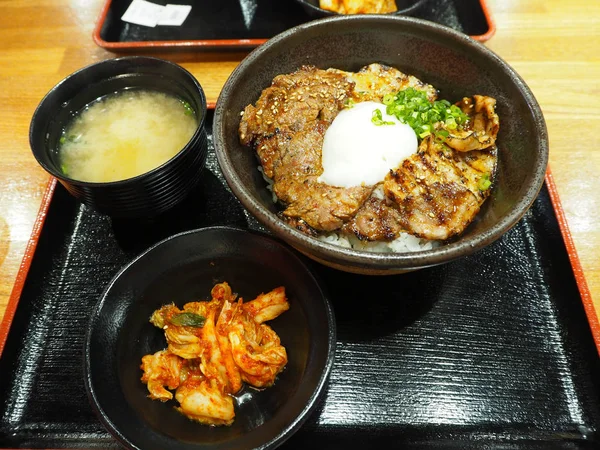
413 108
484 182
349 103
69 138
187 319
377 119
189 111
388 98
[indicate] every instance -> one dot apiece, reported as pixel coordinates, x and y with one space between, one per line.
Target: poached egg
357 152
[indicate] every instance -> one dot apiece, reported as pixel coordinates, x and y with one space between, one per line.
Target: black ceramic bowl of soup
103 90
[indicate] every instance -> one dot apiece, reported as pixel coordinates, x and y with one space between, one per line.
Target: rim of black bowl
202 119
390 260
408 10
312 402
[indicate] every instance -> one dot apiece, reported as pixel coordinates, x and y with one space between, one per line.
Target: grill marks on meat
287 127
374 81
376 220
434 194
484 125
430 194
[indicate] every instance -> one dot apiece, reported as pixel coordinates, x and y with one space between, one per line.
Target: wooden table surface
553 44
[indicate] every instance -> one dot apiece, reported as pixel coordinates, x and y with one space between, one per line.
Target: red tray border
15 295
225 43
584 291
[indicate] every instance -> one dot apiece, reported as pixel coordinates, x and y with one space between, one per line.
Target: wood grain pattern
552 44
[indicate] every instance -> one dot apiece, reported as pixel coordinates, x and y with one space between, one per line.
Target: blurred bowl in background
145 195
405 8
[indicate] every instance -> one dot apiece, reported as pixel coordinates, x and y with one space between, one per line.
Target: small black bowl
184 268
405 8
145 195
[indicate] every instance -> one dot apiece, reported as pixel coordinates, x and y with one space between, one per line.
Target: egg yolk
356 151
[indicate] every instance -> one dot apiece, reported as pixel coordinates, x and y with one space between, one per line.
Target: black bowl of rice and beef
379 144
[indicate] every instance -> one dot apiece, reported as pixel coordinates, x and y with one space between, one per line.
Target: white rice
269 184
402 244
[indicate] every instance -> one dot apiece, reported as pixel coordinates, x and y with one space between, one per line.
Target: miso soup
125 134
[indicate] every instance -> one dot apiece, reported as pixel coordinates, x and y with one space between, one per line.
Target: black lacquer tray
248 23
491 351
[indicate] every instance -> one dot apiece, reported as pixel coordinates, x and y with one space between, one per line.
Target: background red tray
223 24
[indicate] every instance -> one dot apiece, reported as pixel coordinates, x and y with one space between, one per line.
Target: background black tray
494 348
211 21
